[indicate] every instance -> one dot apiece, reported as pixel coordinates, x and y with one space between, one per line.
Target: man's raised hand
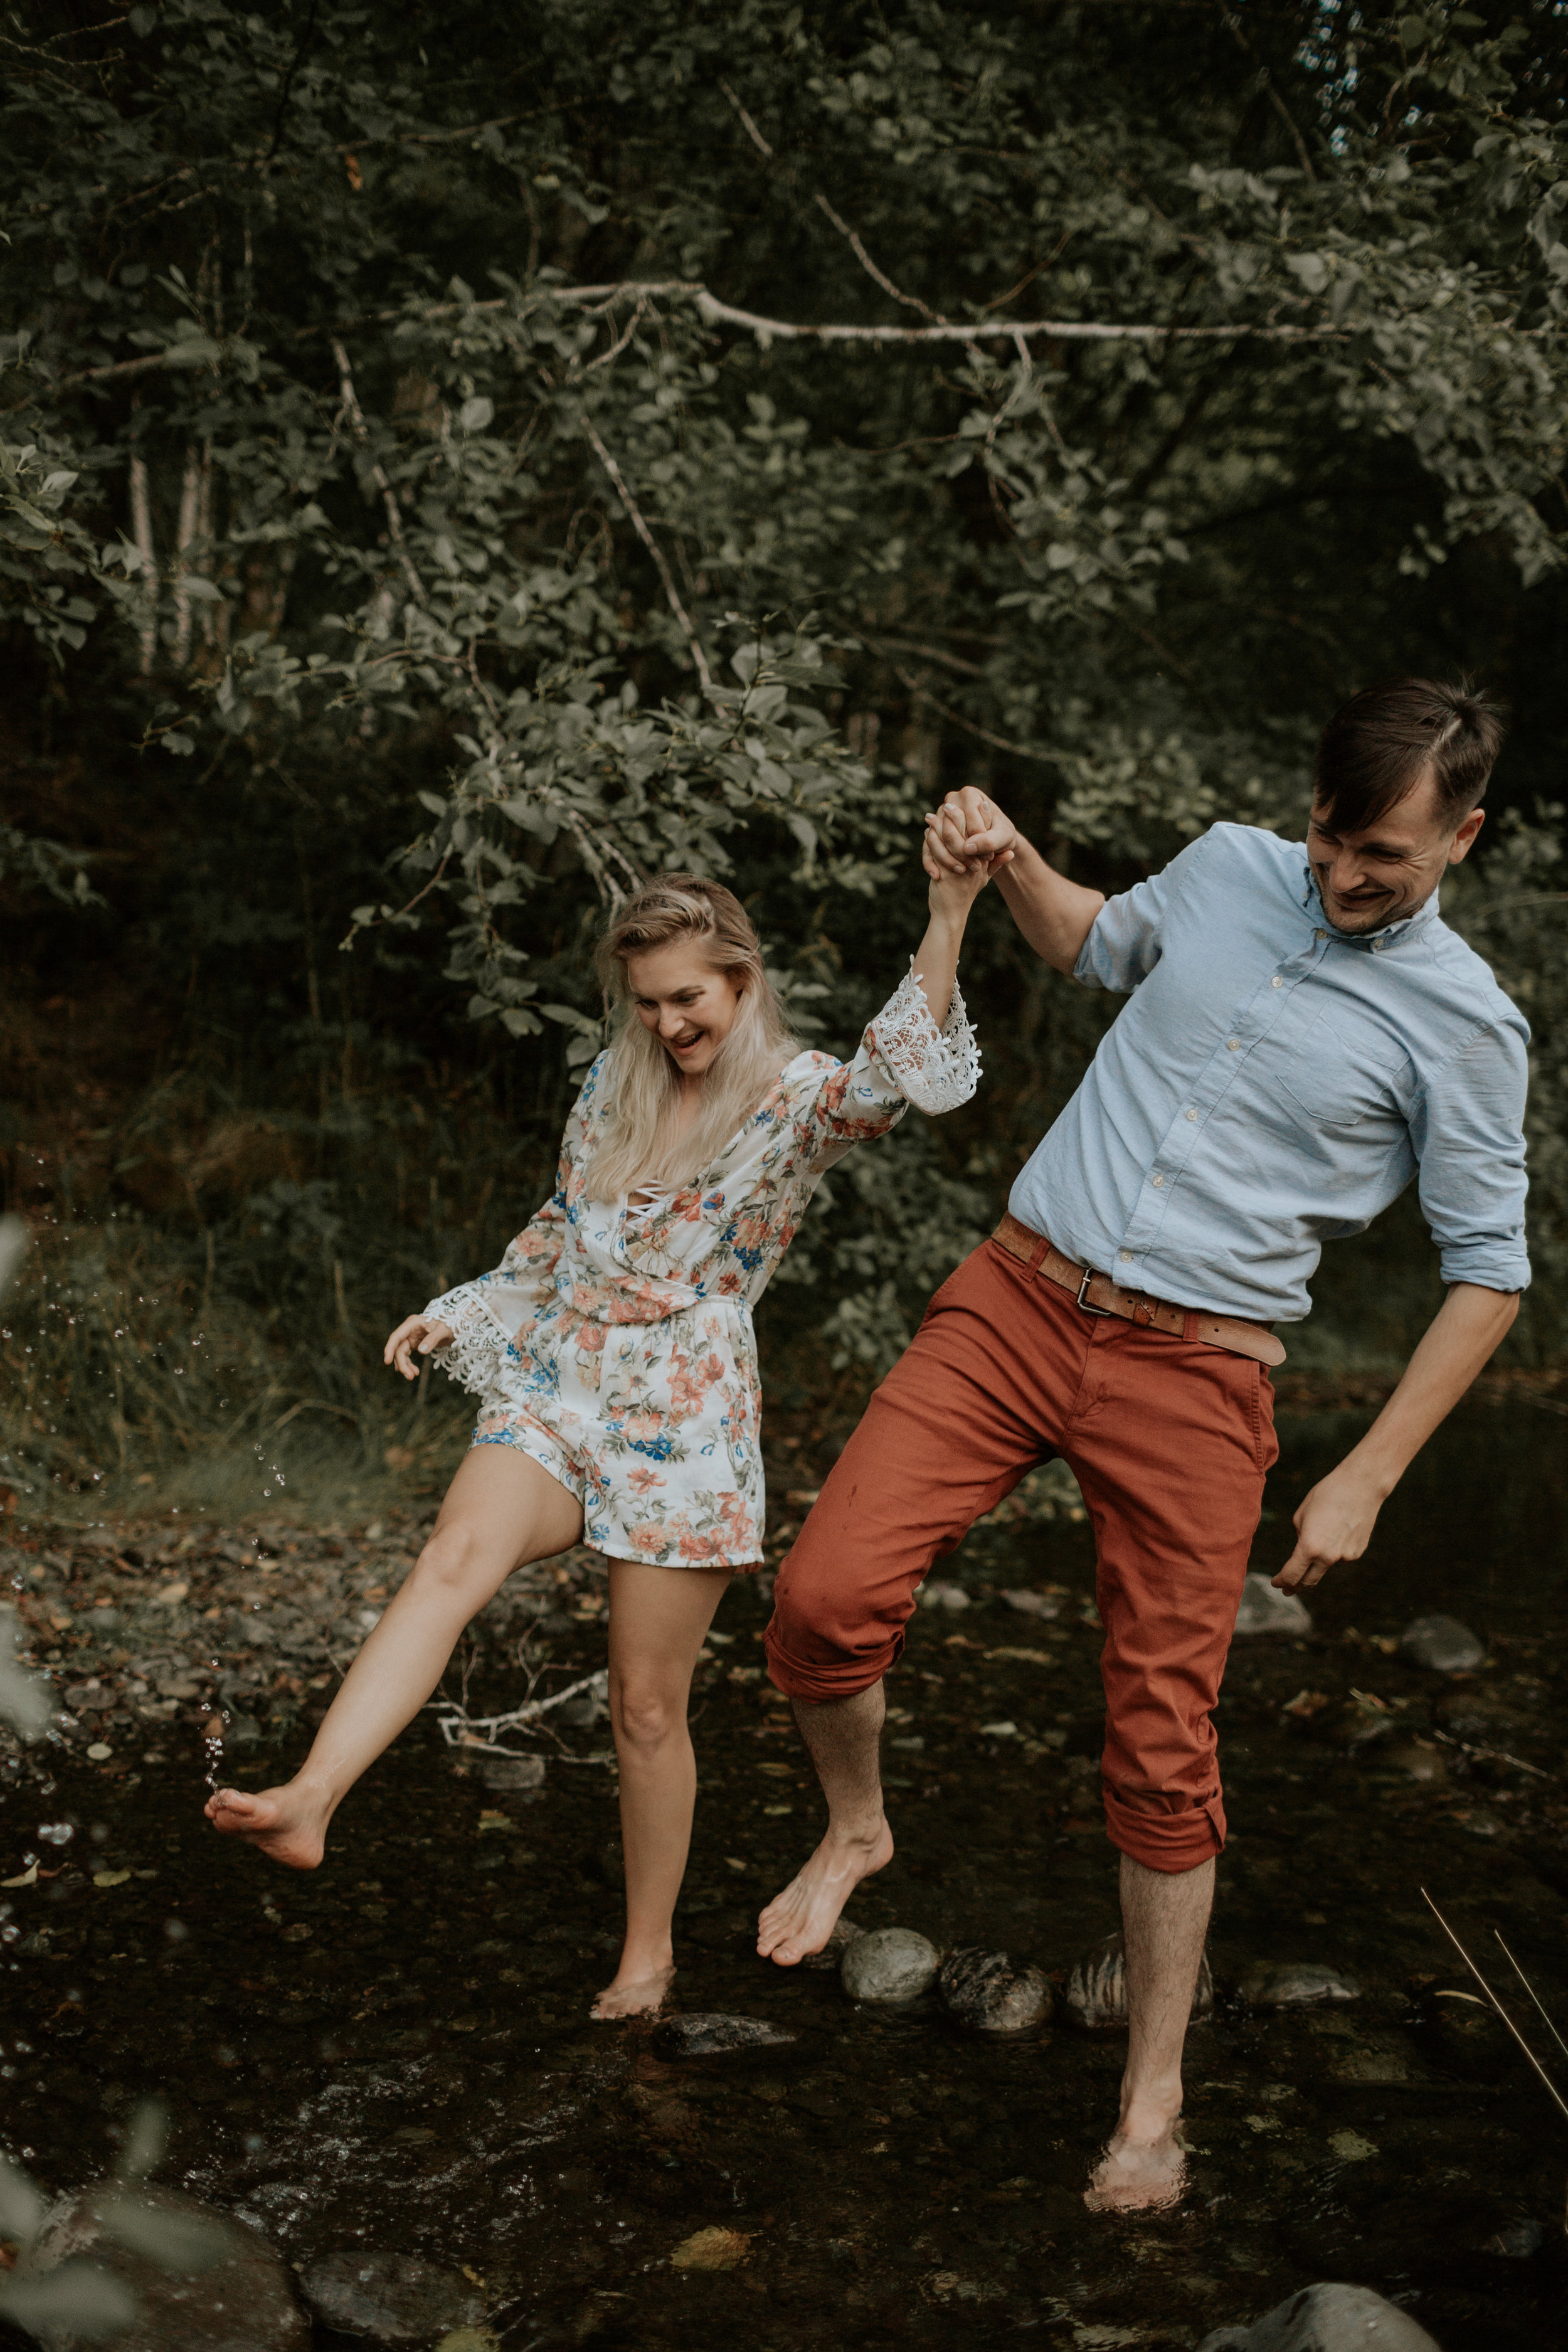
966 831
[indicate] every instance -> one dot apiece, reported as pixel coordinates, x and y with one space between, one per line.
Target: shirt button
1125 1255
1233 1045
1319 935
1156 1181
1192 1114
1276 982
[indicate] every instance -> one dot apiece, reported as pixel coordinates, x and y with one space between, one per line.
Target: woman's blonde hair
639 1146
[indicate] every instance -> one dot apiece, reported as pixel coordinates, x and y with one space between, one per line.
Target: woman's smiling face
688 1006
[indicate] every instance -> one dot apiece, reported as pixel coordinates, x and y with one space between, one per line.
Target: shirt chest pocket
1344 1071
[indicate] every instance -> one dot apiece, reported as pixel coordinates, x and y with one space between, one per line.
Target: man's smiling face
1390 868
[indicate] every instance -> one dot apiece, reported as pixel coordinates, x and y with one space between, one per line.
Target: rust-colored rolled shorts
1168 1440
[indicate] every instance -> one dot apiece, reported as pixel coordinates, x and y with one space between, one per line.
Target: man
1304 1034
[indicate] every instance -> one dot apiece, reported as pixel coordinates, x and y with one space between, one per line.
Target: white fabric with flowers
613 1342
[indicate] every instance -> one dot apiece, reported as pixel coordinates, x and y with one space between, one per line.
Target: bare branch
377 472
751 132
910 301
634 516
997 743
141 531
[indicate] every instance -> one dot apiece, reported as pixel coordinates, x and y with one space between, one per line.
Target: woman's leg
501 1510
658 1619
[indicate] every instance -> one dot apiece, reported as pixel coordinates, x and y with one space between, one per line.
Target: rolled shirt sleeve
1467 1131
1126 939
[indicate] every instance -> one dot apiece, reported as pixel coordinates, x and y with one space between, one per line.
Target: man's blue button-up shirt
1274 1084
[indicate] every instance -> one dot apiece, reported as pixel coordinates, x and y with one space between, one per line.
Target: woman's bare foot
1140 2175
634 1995
287 1824
801 1918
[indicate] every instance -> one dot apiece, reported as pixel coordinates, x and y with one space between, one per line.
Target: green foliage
482 457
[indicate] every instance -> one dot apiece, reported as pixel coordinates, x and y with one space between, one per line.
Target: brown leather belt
1098 1294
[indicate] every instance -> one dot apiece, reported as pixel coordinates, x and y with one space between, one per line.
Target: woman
612 1353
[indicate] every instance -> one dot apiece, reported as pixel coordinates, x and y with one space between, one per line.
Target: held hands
969 837
1335 1523
421 1329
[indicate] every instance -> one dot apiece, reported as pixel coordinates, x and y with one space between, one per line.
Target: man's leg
843 1737
1165 1920
1170 1441
977 1401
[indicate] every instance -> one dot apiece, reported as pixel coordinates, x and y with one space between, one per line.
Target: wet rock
204 2282
1033 1604
512 1772
241 1731
1265 1610
1354 1723
389 2299
1416 1760
1327 2318
713 2036
1463 2034
1097 1989
1518 2241
1442 1644
1296 1984
1481 1719
991 1993
845 1932
943 1596
890 1964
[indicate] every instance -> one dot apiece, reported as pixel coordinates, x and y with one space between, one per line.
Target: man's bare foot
1140 2176
801 1919
286 1824
634 1995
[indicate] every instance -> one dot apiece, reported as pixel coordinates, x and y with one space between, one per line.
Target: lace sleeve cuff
479 1343
935 1069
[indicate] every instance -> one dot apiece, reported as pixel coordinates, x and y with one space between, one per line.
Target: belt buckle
1103 1312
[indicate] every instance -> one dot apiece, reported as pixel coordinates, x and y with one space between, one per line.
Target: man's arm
1056 915
1336 1520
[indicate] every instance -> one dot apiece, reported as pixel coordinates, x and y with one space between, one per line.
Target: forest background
458 460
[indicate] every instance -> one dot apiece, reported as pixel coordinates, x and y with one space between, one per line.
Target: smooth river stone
394 2300
202 2281
1097 1989
1442 1644
1327 2318
1295 1984
890 1964
713 2036
1265 1610
991 1993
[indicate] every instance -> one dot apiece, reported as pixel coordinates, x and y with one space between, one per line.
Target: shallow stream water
394 2054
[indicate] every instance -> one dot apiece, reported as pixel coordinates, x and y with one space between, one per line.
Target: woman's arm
468 1329
952 892
1056 915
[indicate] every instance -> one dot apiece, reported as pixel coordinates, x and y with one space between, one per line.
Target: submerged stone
714 2036
202 2281
991 1993
1295 1984
1265 1610
1327 2318
890 1964
1097 1989
389 2299
1416 1760
845 1932
1442 1644
512 1772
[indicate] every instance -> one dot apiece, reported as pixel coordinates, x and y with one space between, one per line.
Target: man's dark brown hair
1377 747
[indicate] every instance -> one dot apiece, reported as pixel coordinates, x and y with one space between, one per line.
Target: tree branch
377 472
635 516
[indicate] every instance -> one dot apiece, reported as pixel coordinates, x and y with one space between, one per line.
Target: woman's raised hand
415 1329
968 831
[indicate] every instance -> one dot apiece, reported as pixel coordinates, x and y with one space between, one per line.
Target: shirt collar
1408 927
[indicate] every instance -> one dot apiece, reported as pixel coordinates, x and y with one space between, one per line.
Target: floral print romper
614 1343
